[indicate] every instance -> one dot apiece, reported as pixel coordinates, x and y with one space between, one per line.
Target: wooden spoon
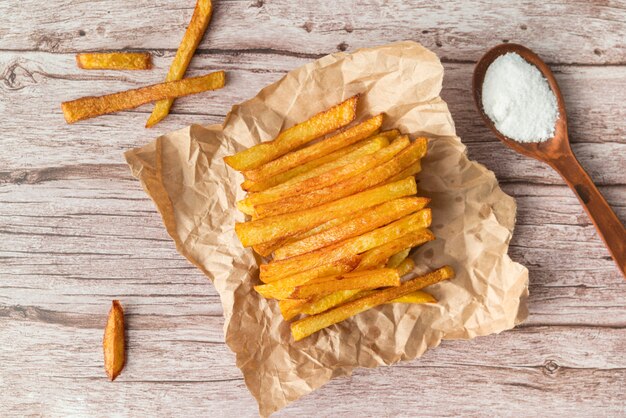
556 152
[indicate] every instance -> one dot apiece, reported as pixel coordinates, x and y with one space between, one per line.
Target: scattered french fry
113 342
268 229
350 247
328 178
114 61
89 107
193 35
293 159
352 185
311 324
322 123
359 224
370 279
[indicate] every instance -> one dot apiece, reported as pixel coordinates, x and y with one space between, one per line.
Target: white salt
518 99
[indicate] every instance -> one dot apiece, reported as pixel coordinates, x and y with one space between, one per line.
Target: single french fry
322 123
350 247
290 308
352 185
396 259
371 259
268 229
114 61
113 341
311 324
193 35
416 297
360 224
338 174
89 107
295 158
411 170
320 165
370 279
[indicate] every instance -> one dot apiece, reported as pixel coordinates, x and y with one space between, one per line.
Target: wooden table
77 230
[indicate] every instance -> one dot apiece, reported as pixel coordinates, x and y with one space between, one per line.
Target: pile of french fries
333 206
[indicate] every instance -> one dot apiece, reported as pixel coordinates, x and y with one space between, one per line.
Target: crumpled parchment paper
195 193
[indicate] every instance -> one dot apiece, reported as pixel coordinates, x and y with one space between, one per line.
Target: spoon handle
606 222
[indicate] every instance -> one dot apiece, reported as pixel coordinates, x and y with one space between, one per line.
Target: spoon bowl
557 153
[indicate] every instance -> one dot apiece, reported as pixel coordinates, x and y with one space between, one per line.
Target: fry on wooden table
92 106
113 342
114 60
193 35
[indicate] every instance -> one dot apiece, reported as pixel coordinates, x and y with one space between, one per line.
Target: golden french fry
290 308
114 61
352 185
405 267
411 170
293 159
193 35
338 174
268 229
350 247
89 107
311 324
113 342
396 259
359 224
370 279
416 297
322 123
320 165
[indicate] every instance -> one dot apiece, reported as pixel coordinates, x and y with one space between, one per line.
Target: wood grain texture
77 231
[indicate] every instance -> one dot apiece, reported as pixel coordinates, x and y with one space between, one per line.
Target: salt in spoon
556 152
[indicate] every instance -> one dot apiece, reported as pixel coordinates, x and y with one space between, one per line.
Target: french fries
114 61
336 218
113 341
325 179
193 35
370 279
304 327
293 159
268 229
322 123
352 185
350 247
89 107
360 224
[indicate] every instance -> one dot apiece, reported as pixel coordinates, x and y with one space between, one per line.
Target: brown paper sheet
195 193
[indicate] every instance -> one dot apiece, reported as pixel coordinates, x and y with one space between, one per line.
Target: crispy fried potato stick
396 259
114 61
360 224
268 229
193 35
113 342
412 170
322 123
309 325
293 159
353 246
417 297
370 279
338 174
320 165
89 107
352 185
290 308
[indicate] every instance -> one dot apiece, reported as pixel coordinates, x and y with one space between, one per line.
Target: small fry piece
309 325
113 342
370 279
320 165
350 247
293 159
89 107
359 224
114 61
328 178
320 124
371 178
268 229
193 35
396 259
